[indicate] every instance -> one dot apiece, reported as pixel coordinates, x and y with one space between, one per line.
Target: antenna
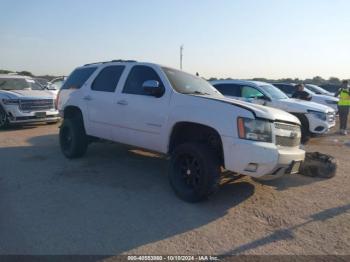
181 55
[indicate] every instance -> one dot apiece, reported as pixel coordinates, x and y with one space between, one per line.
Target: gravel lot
117 200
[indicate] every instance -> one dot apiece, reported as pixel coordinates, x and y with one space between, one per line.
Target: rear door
142 117
100 101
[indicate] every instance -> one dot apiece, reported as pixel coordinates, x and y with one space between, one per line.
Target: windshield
56 85
273 92
13 84
307 90
188 84
18 84
316 89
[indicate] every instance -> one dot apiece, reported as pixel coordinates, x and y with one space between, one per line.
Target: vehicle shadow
113 200
289 181
18 127
288 233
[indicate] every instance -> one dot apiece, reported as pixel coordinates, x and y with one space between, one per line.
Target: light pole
181 55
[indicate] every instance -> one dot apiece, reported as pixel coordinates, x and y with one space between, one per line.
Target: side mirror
265 98
153 88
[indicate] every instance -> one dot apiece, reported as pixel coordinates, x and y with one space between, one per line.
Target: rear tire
194 172
3 118
73 139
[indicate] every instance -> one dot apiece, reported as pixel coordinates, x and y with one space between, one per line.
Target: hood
306 105
260 111
327 97
27 94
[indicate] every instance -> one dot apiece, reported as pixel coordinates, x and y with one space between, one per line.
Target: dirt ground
117 200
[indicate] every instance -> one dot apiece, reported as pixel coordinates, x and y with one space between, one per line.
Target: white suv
23 101
315 118
174 113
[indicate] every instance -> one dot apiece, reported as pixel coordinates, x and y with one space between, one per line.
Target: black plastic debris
319 165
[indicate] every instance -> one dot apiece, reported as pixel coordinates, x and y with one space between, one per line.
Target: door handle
87 98
122 102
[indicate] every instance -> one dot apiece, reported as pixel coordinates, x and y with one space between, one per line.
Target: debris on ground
317 164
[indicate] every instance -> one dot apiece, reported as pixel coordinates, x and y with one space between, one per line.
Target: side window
137 76
289 90
78 78
251 92
229 89
107 80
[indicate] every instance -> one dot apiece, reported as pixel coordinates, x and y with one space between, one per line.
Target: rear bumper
271 161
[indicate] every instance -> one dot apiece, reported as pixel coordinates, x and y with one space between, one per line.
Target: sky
221 38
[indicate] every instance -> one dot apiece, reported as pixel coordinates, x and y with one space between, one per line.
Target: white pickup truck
315 118
174 113
23 101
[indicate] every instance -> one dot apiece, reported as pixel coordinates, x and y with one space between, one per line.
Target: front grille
287 135
36 105
331 117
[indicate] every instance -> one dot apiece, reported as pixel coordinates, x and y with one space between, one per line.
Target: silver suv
23 101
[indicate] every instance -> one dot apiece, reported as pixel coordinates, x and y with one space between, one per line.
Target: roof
14 76
243 82
287 84
112 61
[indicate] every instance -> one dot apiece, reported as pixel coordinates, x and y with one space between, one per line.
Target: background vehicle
22 101
318 90
326 100
175 113
55 84
41 81
331 88
315 118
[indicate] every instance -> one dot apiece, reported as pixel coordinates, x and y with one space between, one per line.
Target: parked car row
22 100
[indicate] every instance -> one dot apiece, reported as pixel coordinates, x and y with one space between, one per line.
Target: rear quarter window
229 89
289 90
78 78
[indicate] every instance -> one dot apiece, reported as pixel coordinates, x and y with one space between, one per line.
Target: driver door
143 117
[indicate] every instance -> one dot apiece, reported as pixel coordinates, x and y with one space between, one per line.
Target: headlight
253 129
331 102
10 101
320 115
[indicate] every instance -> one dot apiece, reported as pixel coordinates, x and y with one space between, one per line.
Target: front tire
3 118
73 139
194 172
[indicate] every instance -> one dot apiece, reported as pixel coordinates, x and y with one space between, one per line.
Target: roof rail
113 61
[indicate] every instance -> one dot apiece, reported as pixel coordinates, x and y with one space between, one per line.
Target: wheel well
72 112
303 120
192 132
305 128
